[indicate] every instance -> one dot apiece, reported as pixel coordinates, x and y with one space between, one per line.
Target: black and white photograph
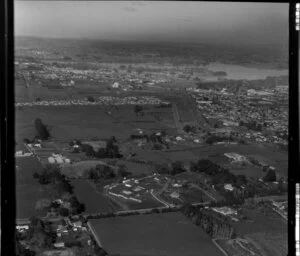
151 128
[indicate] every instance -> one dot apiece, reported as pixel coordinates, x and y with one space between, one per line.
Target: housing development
150 148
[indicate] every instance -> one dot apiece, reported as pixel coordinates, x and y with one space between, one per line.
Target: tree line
215 225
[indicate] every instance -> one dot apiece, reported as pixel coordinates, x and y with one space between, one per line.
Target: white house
228 187
115 85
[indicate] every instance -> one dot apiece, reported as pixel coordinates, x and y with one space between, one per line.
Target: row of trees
41 129
105 172
219 174
175 168
214 226
110 151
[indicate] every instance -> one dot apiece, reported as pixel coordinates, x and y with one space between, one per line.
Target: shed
51 160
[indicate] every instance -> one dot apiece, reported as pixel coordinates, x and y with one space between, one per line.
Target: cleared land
155 234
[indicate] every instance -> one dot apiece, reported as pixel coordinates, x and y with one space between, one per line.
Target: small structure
115 85
59 245
228 187
174 194
127 192
22 228
51 160
225 210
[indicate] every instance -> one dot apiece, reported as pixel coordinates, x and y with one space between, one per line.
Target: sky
198 22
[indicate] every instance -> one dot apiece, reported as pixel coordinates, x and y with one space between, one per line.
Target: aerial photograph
151 128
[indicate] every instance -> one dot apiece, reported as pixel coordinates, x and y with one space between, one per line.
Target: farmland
155 234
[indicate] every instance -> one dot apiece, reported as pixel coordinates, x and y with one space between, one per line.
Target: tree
123 171
112 150
138 109
177 167
63 211
187 128
41 129
90 99
270 176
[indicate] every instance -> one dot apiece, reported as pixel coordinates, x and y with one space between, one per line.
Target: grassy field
257 221
93 199
28 189
155 234
270 243
236 248
83 122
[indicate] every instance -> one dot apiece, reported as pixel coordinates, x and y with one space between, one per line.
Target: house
225 210
174 194
115 85
22 228
77 224
59 245
228 187
126 192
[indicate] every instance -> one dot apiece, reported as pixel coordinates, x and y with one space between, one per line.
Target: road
219 247
160 200
205 192
177 118
23 221
94 234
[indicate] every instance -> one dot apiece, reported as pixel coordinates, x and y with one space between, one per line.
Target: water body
249 73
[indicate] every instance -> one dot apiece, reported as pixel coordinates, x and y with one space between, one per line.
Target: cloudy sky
254 23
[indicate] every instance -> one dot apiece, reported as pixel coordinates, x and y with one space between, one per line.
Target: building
174 194
228 187
225 210
115 85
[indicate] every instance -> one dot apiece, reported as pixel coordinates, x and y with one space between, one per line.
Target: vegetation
138 109
216 226
101 172
175 168
111 150
41 129
51 175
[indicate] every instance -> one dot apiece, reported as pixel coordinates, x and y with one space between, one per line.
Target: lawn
155 234
28 189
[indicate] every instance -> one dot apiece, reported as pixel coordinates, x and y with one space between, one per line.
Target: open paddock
153 234
270 243
238 248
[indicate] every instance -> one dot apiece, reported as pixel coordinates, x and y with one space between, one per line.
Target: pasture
83 122
270 243
153 234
